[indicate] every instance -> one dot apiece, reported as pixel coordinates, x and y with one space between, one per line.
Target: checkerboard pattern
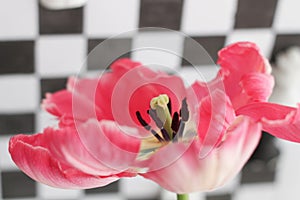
40 48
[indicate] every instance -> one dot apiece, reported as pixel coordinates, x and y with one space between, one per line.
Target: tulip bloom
135 121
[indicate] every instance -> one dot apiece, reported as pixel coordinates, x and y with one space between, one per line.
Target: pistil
161 110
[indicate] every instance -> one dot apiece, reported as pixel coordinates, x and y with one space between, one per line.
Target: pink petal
281 121
68 106
87 91
189 174
238 60
59 103
66 146
87 98
108 81
32 157
245 55
135 89
203 89
257 86
127 88
216 115
110 143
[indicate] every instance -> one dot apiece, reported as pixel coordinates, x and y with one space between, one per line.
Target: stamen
142 121
165 134
175 122
156 135
184 112
181 129
155 118
170 128
170 106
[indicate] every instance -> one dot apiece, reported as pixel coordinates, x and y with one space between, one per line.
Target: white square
60 55
18 19
286 19
6 162
214 17
191 74
156 49
287 176
44 120
106 18
167 195
264 38
255 191
110 196
146 188
19 93
47 192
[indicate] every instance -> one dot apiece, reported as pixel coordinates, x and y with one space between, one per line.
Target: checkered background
40 48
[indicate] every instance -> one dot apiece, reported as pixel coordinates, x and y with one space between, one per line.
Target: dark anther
170 107
175 122
156 135
157 121
184 112
165 134
181 128
142 121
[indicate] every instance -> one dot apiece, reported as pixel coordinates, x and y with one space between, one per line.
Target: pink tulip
134 121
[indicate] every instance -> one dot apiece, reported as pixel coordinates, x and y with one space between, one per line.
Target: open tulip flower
134 121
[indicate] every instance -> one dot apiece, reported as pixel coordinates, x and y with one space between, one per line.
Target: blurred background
40 48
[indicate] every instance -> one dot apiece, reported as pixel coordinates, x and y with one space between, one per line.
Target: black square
219 197
161 13
266 149
51 85
262 165
111 188
255 13
103 52
16 184
193 54
283 42
17 123
60 21
16 57
257 171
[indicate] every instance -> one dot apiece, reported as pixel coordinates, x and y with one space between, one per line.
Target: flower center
168 127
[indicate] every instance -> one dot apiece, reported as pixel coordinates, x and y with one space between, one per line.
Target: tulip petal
111 144
37 162
189 174
87 98
65 145
59 103
135 89
100 90
216 115
278 120
68 106
257 86
242 58
236 61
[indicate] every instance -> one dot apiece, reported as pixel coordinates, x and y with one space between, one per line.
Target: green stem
182 197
